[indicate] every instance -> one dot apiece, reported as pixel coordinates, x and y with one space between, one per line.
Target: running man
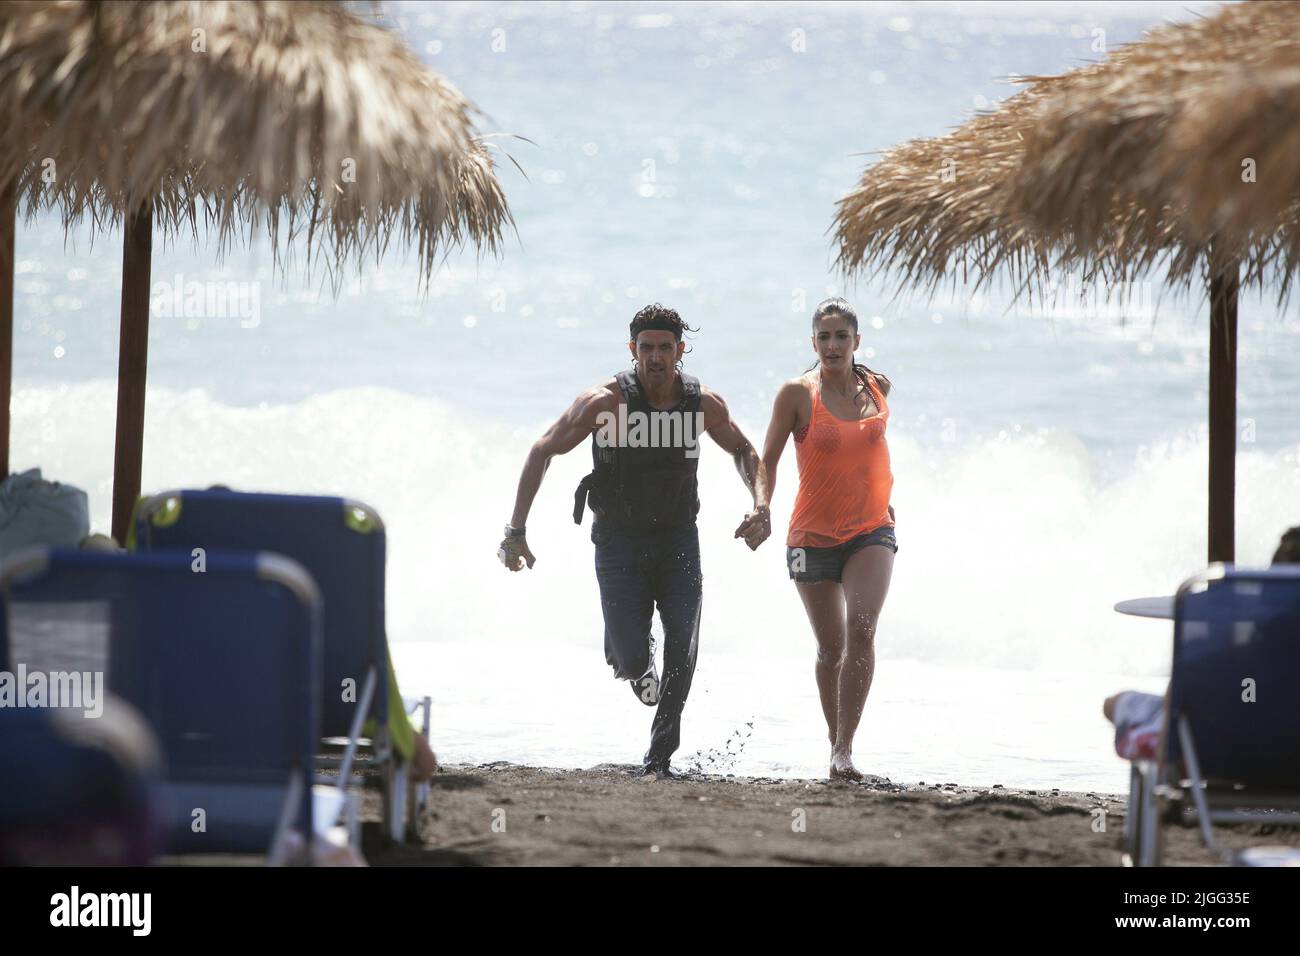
644 425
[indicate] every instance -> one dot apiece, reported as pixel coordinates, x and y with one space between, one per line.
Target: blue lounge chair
78 791
223 663
1230 752
342 545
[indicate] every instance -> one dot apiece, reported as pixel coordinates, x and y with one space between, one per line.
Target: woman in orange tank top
841 543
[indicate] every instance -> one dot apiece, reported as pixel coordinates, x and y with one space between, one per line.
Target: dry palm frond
933 209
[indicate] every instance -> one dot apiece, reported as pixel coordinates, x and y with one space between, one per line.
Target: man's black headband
657 325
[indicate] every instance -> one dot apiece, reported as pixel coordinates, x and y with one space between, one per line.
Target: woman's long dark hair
839 306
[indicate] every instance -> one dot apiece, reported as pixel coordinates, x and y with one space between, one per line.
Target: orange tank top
844 476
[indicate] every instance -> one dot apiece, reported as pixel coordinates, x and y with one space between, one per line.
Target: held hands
756 527
514 553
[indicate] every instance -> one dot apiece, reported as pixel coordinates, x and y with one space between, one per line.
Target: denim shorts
810 565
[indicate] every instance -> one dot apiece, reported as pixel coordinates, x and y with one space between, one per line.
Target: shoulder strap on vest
631 386
627 381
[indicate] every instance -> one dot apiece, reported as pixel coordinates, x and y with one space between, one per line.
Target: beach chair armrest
354 732
422 704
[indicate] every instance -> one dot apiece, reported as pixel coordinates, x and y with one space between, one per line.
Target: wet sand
505 815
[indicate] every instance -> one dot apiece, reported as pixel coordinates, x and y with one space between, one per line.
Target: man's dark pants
636 571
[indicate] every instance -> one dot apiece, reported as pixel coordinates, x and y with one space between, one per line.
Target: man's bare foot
842 767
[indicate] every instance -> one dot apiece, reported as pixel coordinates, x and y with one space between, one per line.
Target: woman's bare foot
842 767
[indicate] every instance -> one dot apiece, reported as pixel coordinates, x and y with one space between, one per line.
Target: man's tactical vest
643 488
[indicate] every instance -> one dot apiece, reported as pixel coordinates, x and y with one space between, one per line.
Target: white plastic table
1162 607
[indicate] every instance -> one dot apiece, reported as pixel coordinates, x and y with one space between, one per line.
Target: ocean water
1048 461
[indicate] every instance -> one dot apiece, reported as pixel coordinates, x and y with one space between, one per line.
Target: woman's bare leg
866 582
824 602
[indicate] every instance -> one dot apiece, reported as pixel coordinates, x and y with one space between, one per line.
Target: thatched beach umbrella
1165 124
1088 170
1184 128
295 120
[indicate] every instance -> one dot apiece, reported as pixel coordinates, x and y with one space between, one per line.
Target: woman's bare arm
785 415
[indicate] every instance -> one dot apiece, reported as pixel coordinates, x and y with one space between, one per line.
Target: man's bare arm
562 437
722 429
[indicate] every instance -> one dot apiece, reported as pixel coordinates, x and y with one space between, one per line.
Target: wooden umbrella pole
1223 408
8 229
132 362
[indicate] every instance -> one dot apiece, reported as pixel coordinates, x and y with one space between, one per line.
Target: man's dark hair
658 316
1288 550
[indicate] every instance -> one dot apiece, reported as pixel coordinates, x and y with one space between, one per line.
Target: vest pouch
594 492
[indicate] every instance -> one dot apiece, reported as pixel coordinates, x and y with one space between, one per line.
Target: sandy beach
606 816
